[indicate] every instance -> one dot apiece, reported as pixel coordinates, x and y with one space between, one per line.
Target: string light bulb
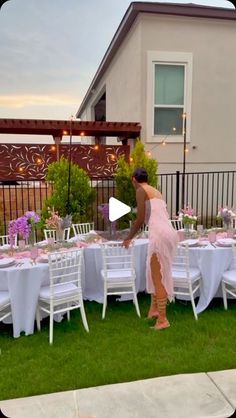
21 169
65 133
53 148
96 147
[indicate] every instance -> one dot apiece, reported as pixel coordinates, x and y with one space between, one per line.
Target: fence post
177 192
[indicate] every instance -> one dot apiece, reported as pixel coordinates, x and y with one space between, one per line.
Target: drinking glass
34 252
50 241
212 236
21 244
200 230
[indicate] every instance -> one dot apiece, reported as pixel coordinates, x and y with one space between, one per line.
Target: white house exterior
164 61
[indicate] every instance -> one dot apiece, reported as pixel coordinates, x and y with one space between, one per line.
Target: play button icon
117 209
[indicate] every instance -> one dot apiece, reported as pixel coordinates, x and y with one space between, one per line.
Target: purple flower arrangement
104 209
226 215
22 226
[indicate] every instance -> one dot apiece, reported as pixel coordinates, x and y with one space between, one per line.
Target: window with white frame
169 86
168 99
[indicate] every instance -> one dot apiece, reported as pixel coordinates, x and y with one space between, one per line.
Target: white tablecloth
24 285
24 282
212 262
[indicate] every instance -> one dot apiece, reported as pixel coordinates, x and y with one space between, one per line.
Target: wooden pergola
60 128
30 161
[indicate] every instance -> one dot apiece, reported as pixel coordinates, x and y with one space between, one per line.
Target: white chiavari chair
118 273
83 228
186 279
64 293
5 240
228 281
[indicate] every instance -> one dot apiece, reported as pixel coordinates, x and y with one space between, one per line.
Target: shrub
81 192
124 187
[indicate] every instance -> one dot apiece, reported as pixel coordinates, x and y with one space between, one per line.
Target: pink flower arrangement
56 222
187 215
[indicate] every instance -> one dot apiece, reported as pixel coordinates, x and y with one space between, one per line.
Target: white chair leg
83 316
104 301
68 313
193 303
136 302
51 329
38 319
224 296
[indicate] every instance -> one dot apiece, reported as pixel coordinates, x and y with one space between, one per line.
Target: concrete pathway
200 395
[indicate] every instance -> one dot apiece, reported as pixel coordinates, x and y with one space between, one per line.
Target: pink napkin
221 235
22 254
81 244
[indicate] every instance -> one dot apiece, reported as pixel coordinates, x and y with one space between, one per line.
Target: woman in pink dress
163 239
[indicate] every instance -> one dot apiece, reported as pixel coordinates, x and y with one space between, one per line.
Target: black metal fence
204 191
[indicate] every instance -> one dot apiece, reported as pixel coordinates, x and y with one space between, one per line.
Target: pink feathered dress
163 239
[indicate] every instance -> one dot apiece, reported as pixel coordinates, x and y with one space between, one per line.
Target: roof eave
174 9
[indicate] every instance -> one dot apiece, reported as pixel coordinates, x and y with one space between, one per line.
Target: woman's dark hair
140 175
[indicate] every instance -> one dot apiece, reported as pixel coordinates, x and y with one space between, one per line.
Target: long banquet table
24 282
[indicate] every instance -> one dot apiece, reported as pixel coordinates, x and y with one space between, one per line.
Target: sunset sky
50 51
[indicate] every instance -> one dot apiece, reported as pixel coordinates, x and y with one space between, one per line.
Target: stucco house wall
210 117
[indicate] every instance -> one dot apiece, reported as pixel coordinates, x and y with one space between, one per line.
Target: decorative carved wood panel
30 162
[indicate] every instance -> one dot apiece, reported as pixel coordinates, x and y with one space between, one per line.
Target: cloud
18 101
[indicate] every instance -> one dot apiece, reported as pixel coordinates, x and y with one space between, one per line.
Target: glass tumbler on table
34 252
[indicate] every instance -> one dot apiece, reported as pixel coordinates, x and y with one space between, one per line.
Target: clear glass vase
60 235
226 225
187 230
32 237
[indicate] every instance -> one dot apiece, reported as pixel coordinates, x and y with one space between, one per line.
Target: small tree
125 189
81 192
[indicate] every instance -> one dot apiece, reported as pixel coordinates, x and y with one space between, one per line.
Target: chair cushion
229 276
4 297
194 274
63 291
122 275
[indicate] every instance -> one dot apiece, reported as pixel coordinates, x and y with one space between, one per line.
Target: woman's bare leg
153 312
161 294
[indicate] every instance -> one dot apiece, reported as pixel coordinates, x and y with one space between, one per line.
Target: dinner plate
190 242
44 258
7 262
225 242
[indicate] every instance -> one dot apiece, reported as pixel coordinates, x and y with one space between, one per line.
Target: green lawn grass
120 348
